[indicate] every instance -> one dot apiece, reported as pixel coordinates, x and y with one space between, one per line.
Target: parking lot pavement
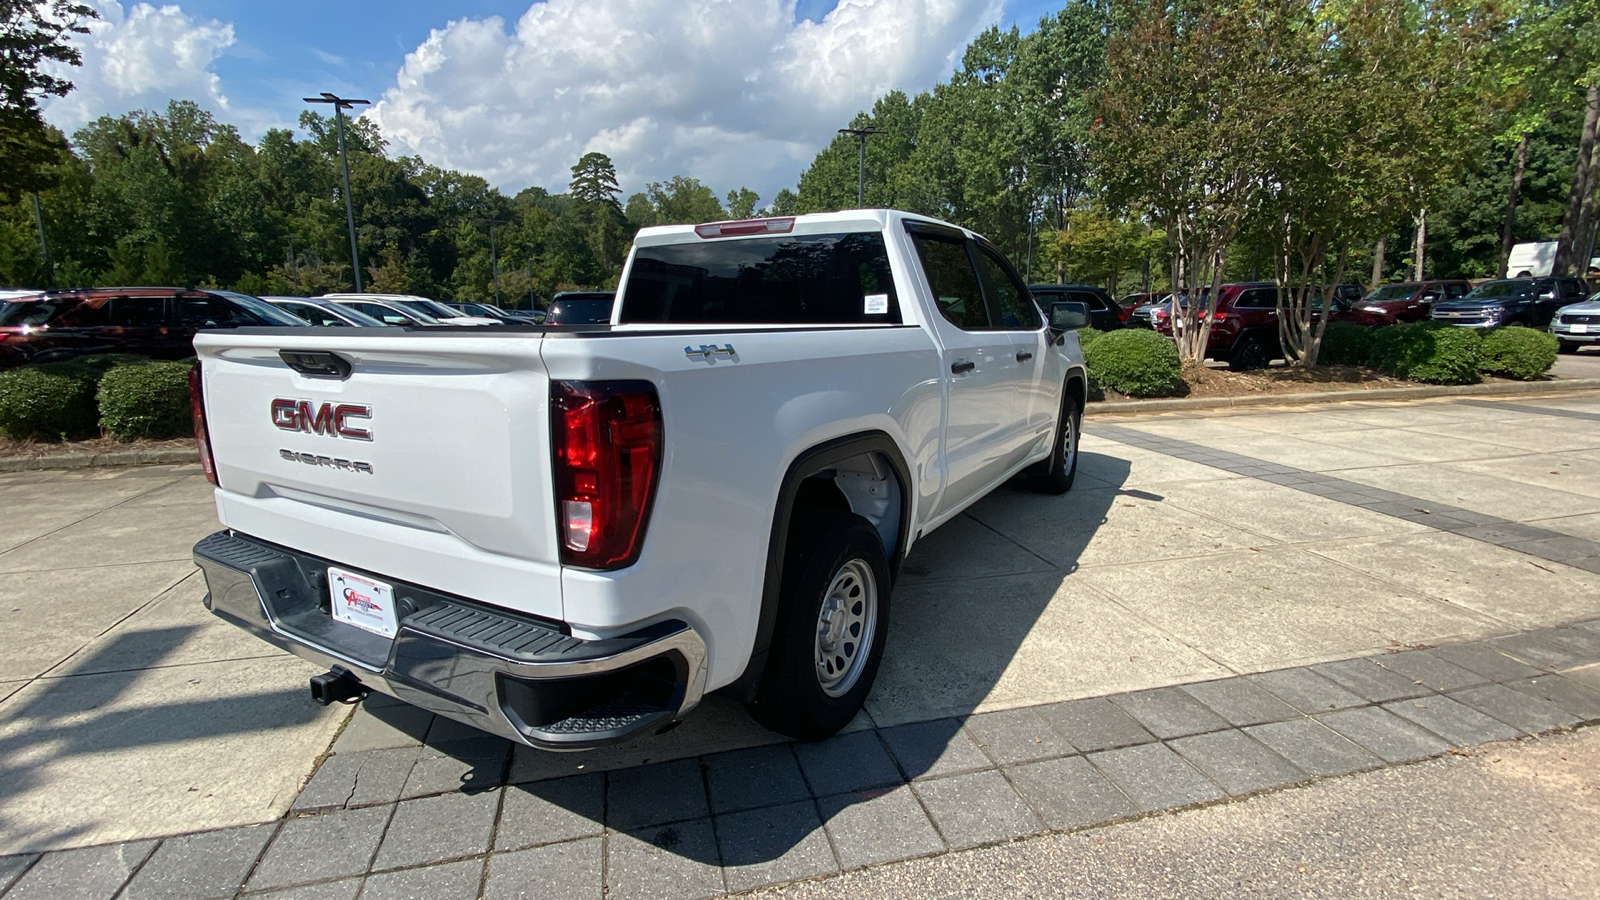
127 710
1224 604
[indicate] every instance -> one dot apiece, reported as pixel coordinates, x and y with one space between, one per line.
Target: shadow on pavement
967 600
73 719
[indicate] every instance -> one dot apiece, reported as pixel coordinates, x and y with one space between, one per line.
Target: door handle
1023 356
962 365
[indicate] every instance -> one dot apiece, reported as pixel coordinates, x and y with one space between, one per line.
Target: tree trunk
1421 246
1589 221
1507 234
1377 260
1572 220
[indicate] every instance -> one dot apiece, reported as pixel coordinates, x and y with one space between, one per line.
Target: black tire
1249 355
1055 475
1566 346
824 547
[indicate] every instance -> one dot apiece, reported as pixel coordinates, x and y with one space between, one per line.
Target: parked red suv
1404 301
1244 326
155 322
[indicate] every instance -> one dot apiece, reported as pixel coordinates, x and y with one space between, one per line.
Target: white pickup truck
567 536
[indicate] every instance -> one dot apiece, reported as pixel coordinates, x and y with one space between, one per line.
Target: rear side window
815 279
37 312
1455 289
134 312
954 284
1258 298
1088 299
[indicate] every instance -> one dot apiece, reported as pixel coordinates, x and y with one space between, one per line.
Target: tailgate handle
316 363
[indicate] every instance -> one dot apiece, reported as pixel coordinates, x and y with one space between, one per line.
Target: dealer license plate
363 602
1579 329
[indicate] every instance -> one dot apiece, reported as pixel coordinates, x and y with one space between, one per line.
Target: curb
1123 407
111 459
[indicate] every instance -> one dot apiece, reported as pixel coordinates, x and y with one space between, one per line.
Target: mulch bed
10 449
1205 381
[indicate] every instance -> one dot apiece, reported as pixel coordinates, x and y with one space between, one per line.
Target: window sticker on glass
876 304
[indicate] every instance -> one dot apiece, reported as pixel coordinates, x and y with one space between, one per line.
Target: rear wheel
832 622
1249 355
1056 474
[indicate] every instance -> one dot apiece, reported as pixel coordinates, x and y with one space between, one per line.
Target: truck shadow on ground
722 791
101 705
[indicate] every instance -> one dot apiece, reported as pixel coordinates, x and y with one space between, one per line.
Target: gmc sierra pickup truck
567 536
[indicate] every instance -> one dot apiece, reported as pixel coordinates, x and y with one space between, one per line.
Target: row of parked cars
1244 320
162 322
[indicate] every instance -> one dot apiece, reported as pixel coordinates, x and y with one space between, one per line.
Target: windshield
431 307
1493 290
425 314
262 308
32 312
1393 292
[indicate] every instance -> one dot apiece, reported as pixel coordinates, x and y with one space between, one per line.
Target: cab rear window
815 279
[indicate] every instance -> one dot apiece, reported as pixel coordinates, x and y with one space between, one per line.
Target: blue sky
482 96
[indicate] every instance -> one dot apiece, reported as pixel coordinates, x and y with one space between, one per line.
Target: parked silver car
1577 324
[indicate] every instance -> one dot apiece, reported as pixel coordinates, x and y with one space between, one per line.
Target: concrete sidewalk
1194 549
1511 820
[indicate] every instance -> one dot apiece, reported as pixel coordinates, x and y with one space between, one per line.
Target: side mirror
1066 315
1429 297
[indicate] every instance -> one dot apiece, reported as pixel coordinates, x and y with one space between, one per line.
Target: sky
733 92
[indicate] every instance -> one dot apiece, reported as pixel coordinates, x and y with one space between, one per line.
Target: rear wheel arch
806 486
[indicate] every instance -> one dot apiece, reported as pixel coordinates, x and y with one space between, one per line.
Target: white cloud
733 92
140 58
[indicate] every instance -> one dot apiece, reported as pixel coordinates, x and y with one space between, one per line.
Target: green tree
683 200
742 203
594 180
34 37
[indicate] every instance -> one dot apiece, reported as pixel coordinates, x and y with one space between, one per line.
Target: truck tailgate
429 463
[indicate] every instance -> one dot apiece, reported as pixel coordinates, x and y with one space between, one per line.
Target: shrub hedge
1346 344
1428 352
43 405
1517 352
1135 361
146 401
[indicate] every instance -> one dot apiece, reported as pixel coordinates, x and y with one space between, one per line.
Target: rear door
978 365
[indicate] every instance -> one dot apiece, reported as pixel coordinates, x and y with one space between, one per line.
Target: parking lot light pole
340 104
494 256
44 248
861 170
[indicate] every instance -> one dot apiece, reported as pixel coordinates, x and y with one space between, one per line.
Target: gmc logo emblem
330 419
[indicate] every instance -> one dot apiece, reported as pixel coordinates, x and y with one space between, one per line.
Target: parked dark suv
580 308
155 322
1104 313
1511 301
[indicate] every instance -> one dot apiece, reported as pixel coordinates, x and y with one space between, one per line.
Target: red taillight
202 437
1122 313
606 438
746 226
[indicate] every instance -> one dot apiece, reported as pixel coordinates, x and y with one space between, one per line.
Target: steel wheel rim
1069 442
846 624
